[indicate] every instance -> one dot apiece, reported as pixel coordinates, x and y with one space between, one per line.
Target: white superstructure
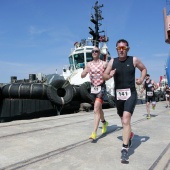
79 57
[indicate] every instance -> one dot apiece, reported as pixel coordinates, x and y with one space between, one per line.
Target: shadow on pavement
110 129
136 142
152 115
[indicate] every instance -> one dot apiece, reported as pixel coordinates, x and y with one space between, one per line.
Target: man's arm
154 84
108 73
137 63
105 64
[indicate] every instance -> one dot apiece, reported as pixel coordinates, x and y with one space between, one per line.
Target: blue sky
37 35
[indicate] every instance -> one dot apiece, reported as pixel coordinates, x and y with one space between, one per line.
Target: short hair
122 40
148 75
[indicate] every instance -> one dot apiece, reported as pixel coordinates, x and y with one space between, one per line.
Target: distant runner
167 95
149 85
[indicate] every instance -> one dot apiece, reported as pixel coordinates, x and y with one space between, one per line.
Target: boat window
71 63
70 60
89 57
79 60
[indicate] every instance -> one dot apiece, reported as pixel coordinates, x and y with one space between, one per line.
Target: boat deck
61 142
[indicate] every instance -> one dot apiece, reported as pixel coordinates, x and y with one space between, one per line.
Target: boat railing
84 42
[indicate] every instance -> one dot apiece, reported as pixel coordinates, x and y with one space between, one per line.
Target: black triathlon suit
150 95
124 78
167 91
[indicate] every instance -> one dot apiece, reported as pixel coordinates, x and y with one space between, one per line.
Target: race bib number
149 93
123 94
95 89
167 95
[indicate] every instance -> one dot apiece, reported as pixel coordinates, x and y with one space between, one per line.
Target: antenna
95 20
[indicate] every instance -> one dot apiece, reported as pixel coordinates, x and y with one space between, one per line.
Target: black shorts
127 105
150 99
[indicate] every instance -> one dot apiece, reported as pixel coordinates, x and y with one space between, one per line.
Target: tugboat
55 93
79 56
81 53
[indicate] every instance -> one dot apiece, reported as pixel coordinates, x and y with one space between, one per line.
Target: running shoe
124 156
153 107
130 140
93 136
166 106
148 117
104 127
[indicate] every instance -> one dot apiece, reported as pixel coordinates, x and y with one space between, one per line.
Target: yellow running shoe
104 127
148 117
93 136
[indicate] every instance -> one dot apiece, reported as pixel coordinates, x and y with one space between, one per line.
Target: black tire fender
25 91
85 93
61 93
76 93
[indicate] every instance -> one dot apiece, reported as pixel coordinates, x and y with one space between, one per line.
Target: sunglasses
122 47
94 51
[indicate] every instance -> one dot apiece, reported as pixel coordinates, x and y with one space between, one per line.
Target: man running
95 69
122 69
149 85
167 91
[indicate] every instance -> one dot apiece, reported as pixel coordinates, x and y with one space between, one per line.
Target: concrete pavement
61 142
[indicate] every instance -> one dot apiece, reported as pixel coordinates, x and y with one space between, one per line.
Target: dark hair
122 40
148 75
